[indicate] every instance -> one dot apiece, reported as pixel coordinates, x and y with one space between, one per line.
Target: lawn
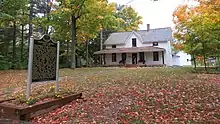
128 95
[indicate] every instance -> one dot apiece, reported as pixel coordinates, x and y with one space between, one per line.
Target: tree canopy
198 28
73 22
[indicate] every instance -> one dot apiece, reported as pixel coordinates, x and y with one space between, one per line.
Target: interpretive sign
43 62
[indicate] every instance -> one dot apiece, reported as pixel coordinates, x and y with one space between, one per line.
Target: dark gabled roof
153 35
130 50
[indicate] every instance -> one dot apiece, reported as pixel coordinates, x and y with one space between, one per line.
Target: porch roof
130 50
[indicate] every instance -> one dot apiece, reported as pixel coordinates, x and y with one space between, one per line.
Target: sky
158 14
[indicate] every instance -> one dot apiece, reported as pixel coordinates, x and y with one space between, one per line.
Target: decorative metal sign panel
44 60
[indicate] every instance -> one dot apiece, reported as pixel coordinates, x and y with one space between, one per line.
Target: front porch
139 56
130 66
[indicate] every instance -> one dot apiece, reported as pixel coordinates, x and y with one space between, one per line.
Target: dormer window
134 42
113 46
155 43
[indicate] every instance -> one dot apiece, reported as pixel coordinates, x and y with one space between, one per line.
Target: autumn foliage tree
72 22
80 21
198 28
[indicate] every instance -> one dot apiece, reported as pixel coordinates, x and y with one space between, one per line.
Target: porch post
104 58
163 56
101 59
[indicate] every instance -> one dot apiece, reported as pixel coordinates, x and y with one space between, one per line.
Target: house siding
181 59
108 59
128 43
150 61
148 56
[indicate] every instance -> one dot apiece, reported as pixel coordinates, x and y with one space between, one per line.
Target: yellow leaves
204 13
94 15
65 10
182 13
100 26
178 46
140 22
73 7
100 17
112 7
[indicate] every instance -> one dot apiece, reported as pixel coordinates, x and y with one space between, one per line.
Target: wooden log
26 113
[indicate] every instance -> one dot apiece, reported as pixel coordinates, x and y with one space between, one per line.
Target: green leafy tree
12 16
130 20
80 20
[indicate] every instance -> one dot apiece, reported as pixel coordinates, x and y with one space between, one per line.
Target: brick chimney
148 27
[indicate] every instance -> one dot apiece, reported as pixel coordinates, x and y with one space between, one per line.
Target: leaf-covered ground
138 95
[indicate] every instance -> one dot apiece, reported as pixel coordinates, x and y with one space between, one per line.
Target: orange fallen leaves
169 97
140 95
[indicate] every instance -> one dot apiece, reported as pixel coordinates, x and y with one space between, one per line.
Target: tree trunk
193 55
79 61
77 56
204 56
30 21
48 8
73 45
87 53
101 46
204 60
14 42
194 61
67 49
22 41
218 61
6 46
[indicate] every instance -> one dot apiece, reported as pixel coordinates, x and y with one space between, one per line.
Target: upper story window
113 46
134 42
155 43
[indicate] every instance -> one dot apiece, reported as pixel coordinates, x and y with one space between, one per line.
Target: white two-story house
143 47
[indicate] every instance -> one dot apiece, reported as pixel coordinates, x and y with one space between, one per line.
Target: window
113 46
123 56
155 56
134 42
155 43
113 57
141 56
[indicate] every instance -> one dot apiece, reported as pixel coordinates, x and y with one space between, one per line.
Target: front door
134 58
